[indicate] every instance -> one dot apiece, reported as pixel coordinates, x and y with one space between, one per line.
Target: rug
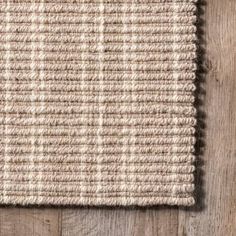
96 102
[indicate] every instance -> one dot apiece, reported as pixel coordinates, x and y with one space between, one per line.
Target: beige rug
96 102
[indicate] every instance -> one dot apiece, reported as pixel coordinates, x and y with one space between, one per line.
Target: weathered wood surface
215 211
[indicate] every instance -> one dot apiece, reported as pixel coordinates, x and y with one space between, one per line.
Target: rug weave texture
96 102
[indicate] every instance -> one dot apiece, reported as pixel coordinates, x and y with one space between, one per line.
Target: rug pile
96 102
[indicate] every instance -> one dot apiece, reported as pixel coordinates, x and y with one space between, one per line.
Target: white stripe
7 85
175 76
124 130
33 95
133 74
42 85
101 50
83 128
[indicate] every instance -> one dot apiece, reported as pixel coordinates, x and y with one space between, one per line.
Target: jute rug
96 102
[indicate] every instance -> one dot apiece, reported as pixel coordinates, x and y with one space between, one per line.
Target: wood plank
120 221
217 216
30 222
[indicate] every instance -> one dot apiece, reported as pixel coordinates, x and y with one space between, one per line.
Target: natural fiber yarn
96 102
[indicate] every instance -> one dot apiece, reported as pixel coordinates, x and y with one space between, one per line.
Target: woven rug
96 102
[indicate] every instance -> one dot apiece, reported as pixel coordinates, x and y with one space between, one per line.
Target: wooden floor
215 211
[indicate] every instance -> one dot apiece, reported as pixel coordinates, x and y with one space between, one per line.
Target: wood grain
30 222
215 212
140 222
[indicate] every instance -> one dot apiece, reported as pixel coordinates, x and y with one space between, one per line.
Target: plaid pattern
96 102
